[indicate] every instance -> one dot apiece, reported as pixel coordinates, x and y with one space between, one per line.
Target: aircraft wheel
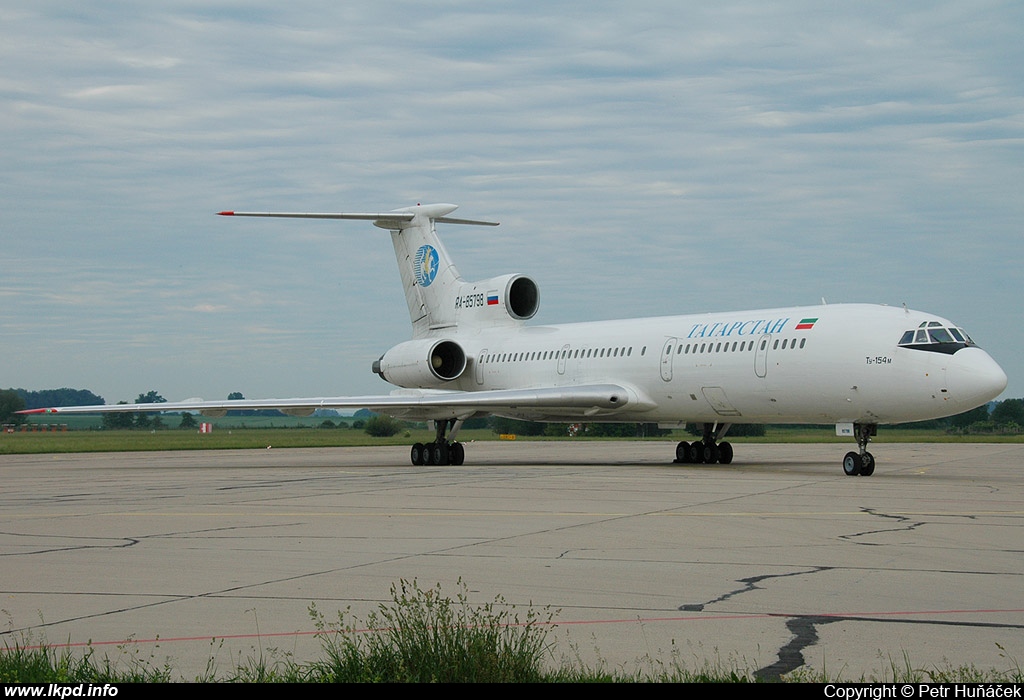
852 464
867 468
725 453
696 452
418 455
710 453
438 454
456 454
683 452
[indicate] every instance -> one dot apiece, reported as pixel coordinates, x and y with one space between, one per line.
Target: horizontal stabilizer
397 216
390 219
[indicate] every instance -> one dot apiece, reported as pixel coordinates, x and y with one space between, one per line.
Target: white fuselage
843 364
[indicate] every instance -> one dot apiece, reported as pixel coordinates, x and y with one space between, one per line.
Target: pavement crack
750 584
70 543
908 526
791 655
805 634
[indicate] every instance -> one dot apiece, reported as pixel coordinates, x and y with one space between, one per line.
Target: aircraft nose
974 377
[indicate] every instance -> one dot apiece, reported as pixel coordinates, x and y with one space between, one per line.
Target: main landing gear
861 463
707 450
442 451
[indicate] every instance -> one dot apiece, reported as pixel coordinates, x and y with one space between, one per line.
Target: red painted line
560 623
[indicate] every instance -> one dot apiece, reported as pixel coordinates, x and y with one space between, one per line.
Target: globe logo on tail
425 265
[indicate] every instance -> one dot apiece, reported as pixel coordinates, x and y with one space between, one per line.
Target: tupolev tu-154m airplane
472 354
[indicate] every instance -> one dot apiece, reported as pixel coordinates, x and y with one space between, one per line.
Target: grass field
286 432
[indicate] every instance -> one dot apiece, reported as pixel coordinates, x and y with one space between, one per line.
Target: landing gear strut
707 450
443 450
861 463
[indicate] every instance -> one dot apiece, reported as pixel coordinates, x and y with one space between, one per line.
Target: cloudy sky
643 158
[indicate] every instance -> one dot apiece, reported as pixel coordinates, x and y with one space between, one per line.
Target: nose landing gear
861 463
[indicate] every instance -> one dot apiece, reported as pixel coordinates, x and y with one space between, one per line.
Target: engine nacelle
482 302
423 364
522 297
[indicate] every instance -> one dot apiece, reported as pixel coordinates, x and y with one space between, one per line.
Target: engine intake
522 298
422 364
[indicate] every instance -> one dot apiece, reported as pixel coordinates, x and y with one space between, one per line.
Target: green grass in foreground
228 438
423 636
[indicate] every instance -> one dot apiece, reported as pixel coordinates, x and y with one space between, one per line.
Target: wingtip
225 213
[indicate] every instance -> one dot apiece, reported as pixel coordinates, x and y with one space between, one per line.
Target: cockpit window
933 336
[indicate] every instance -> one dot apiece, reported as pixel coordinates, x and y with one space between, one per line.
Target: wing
582 401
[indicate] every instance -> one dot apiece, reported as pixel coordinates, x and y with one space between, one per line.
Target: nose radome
974 377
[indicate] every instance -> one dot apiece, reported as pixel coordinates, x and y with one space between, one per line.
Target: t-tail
440 301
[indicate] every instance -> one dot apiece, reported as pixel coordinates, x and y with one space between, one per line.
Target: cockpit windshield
933 336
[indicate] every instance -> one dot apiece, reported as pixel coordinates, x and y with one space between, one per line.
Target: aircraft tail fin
433 286
429 276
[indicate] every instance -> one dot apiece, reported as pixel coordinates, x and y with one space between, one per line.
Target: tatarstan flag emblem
806 324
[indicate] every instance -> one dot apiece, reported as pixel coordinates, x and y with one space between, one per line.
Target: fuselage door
761 356
562 355
666 358
480 366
